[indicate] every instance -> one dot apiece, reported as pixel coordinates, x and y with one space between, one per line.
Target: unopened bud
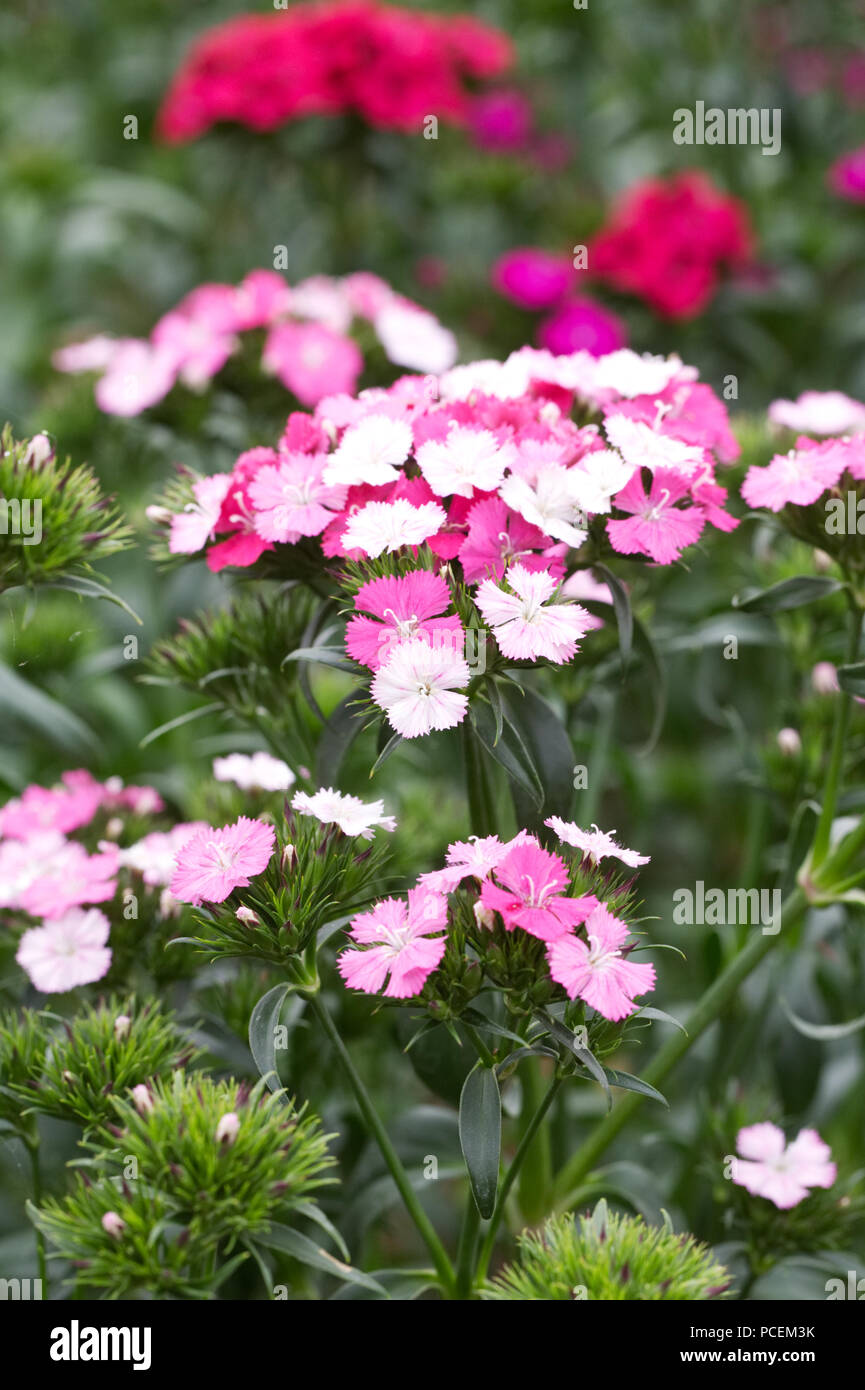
483 916
122 1025
824 678
789 742
41 450
142 1099
227 1129
247 917
113 1224
288 856
161 515
114 828
822 561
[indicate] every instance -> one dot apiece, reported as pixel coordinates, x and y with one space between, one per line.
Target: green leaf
649 1011
57 724
657 683
622 609
822 1032
390 747
262 1034
322 656
852 678
511 1062
315 1213
402 1285
626 1082
178 723
300 1247
91 588
545 737
481 1135
508 749
788 593
586 1058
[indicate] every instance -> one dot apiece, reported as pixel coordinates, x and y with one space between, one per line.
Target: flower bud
789 742
142 1099
41 451
122 1025
288 856
822 561
161 515
484 916
113 1224
227 1129
247 918
114 828
824 678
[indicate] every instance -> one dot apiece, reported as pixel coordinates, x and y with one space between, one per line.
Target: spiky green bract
23 1042
76 523
235 657
316 875
188 1186
609 1256
101 1053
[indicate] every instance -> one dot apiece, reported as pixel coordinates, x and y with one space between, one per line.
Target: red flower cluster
392 66
667 241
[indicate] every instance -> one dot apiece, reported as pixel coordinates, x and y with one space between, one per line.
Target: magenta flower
397 941
312 361
401 608
582 325
496 536
291 500
847 176
597 971
68 952
781 1173
532 278
501 120
527 889
215 862
657 528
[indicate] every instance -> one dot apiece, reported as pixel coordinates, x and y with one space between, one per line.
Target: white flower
522 625
595 843
371 451
551 503
69 951
598 477
467 459
324 300
413 338
644 447
819 412
255 772
629 374
416 687
353 816
388 526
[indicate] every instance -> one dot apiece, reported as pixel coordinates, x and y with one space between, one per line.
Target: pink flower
197 348
473 858
215 862
528 890
819 412
390 526
312 361
582 325
67 952
465 461
524 624
594 843
532 278
847 176
69 878
406 608
657 528
22 861
192 528
417 687
353 816
501 120
496 537
61 808
781 1173
798 477
399 944
154 856
597 971
138 375
292 500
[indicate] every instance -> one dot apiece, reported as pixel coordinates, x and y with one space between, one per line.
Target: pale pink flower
551 502
69 878
292 500
782 1173
525 625
597 972
528 889
413 338
312 361
372 451
417 687
192 528
353 816
23 861
798 477
598 476
400 944
67 952
61 808
595 843
402 608
465 461
197 348
626 373
254 772
154 856
215 862
819 412
657 528
323 299
388 526
473 858
138 376
91 355
643 447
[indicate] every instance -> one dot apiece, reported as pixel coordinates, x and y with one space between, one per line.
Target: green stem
511 1176
712 1004
836 754
537 1172
466 1251
482 810
479 1045
32 1147
440 1259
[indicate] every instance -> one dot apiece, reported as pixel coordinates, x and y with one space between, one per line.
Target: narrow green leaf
508 749
300 1247
481 1135
58 725
788 593
621 607
263 1023
626 1082
178 723
852 678
823 1032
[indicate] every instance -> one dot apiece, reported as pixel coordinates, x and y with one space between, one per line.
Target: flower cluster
390 66
538 280
525 888
307 343
667 241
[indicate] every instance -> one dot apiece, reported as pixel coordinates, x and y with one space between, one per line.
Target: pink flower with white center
657 528
597 971
70 878
372 451
192 528
598 476
91 355
312 361
413 338
215 862
551 502
595 843
199 350
61 808
68 952
465 461
254 772
473 858
819 412
22 862
418 685
154 856
780 1172
323 299
292 500
496 537
643 447
261 297
399 944
354 817
138 376
402 608
528 889
388 526
798 477
524 624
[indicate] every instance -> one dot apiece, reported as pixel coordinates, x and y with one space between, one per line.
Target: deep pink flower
528 890
501 120
657 527
581 324
782 1173
847 176
312 361
497 537
215 862
68 952
597 971
397 941
401 608
532 278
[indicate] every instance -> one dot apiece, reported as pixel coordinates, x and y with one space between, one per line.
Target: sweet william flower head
528 889
464 462
525 625
70 951
372 452
395 942
419 687
401 608
388 526
254 772
782 1173
215 862
596 971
